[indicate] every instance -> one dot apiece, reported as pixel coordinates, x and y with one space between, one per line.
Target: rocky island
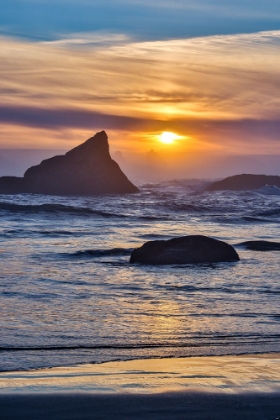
244 182
87 170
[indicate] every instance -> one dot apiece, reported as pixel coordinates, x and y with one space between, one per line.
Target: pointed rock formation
85 170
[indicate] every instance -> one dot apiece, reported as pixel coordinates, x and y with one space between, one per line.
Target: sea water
70 296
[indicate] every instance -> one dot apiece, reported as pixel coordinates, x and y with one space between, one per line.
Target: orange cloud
221 91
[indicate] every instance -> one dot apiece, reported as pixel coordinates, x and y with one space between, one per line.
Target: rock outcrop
260 245
85 170
244 182
191 249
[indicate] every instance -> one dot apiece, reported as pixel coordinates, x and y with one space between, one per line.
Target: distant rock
244 182
4 166
260 245
191 249
85 170
11 185
154 160
119 158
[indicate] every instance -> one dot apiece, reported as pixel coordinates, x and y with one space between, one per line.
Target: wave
269 190
101 252
269 213
227 290
38 232
187 205
256 219
219 338
149 217
190 208
155 236
54 208
70 210
191 183
235 220
189 288
55 232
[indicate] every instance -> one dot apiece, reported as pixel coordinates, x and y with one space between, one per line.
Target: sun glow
168 137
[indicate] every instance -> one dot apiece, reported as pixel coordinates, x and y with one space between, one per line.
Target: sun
167 137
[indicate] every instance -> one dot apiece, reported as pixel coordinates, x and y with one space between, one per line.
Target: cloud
69 118
89 39
91 120
222 90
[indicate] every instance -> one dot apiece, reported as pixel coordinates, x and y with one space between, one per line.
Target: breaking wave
54 208
270 190
269 213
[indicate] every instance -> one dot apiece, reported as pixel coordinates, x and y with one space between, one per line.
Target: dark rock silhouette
244 182
191 249
260 245
85 170
11 185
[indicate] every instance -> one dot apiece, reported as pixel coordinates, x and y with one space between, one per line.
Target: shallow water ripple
69 295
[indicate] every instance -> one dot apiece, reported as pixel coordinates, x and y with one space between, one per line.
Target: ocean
69 295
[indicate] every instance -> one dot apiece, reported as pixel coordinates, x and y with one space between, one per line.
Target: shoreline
196 388
259 372
266 354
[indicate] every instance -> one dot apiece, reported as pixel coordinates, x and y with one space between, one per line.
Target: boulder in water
191 249
260 245
85 170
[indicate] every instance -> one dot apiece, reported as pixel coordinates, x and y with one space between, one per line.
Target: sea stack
87 170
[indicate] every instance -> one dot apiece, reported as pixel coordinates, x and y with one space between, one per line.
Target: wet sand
227 387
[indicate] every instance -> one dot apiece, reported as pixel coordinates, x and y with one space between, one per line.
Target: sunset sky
208 71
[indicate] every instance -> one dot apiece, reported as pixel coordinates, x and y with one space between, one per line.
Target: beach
226 387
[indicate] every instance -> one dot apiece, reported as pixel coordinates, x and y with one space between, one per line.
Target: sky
205 70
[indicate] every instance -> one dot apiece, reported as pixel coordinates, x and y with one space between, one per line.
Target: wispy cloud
89 39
